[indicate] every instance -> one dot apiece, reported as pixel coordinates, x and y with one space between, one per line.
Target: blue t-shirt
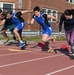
16 18
42 20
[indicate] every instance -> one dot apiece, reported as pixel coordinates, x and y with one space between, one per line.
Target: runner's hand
57 23
60 34
28 22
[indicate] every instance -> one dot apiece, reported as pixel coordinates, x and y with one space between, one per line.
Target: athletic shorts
47 31
20 26
10 27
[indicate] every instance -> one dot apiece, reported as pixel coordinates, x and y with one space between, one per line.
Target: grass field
36 38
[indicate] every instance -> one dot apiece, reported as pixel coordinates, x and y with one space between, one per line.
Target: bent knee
15 30
44 40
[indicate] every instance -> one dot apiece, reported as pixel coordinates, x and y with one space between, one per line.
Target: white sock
21 41
73 54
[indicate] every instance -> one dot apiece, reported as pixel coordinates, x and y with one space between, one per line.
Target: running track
34 61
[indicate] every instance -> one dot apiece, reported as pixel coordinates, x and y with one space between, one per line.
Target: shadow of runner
64 51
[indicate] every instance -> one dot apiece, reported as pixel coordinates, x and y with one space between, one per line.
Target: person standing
68 19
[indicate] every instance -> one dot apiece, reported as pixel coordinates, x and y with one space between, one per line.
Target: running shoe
6 42
72 56
54 39
45 48
22 44
51 50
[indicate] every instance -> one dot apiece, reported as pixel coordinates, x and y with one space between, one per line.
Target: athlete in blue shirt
6 24
19 22
42 19
68 19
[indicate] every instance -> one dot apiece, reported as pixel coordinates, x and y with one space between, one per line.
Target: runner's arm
22 12
49 16
31 22
26 11
61 22
2 22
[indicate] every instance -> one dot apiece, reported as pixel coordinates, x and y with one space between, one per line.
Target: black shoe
14 38
45 48
6 42
25 42
72 56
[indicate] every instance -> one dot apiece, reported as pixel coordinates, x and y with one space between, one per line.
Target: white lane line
63 69
32 60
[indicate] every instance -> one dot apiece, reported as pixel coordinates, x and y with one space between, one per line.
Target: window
70 1
7 6
50 12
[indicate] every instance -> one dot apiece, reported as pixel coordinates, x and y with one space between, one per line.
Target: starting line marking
18 50
57 71
10 54
31 60
18 53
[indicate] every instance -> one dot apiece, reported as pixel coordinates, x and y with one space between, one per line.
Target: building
52 7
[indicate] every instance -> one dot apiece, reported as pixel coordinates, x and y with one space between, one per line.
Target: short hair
37 8
4 13
0 10
68 12
9 12
72 12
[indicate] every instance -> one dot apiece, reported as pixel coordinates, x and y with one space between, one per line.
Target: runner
7 25
68 19
42 19
19 22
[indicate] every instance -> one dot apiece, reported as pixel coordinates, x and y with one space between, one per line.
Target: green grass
60 38
36 38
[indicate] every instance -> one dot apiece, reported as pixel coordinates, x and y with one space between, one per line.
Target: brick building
52 7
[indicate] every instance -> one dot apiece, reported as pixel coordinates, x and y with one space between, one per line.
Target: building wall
25 5
59 5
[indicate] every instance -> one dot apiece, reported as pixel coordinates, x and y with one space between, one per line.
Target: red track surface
34 61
